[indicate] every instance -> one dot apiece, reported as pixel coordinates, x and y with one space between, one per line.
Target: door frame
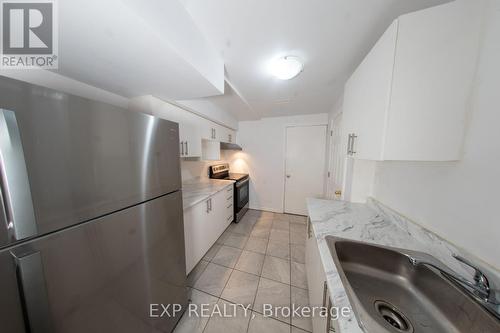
331 161
284 157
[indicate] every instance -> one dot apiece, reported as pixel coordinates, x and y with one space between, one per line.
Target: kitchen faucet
479 289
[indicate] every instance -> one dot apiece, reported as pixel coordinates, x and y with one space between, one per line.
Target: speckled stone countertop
377 224
196 190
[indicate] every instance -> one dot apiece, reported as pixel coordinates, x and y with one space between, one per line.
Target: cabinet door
367 95
197 233
210 150
316 278
433 74
190 141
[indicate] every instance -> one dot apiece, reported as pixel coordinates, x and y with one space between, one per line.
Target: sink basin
389 294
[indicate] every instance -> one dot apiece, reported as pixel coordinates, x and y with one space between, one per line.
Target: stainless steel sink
390 294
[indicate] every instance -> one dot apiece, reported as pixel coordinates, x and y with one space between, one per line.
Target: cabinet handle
208 206
228 198
215 133
182 148
33 290
187 151
349 144
325 291
329 317
229 206
15 193
229 218
354 136
309 234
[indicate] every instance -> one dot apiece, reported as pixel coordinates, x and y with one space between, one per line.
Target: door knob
288 176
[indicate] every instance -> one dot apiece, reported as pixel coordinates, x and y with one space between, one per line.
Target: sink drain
393 316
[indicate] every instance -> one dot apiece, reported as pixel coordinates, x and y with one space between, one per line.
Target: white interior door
337 159
304 166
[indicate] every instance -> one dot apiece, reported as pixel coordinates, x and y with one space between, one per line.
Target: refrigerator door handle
33 292
14 183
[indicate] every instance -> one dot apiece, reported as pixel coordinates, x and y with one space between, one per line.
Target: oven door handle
240 184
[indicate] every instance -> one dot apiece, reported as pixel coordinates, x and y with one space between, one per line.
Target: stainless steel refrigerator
91 225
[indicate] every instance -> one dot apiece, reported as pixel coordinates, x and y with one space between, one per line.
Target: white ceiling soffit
231 102
134 48
330 36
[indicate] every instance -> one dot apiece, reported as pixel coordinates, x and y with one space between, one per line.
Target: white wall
263 157
459 200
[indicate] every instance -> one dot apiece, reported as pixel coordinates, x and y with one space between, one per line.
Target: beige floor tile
298 276
227 256
195 323
261 324
196 272
213 279
241 288
236 240
233 324
300 298
282 217
298 219
260 232
281 225
297 330
256 244
278 249
212 252
279 235
298 227
275 293
250 262
298 253
223 237
276 269
244 227
298 238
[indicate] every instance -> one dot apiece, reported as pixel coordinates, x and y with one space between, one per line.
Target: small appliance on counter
221 171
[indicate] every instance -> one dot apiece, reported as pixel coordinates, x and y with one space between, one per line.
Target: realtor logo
29 34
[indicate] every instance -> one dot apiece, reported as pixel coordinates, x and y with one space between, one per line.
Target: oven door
241 198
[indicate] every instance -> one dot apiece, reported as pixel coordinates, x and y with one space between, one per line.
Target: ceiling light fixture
286 68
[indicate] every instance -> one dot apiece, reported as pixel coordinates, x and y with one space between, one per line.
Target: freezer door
69 159
100 276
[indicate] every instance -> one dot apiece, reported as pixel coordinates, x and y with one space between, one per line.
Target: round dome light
286 68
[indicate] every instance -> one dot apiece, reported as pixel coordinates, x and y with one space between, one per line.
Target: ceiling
331 37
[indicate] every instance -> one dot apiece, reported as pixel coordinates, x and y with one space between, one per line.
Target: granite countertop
196 190
377 224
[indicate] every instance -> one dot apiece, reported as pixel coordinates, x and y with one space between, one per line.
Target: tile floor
257 261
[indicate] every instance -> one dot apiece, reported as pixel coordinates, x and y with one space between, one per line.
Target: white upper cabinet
198 137
409 98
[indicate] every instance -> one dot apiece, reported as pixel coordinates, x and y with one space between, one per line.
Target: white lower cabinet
203 225
316 282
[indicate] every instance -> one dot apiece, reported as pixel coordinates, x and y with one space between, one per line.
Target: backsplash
195 168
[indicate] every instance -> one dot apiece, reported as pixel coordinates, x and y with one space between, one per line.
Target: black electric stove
221 171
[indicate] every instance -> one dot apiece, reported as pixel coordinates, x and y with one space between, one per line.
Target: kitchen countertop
377 224
196 190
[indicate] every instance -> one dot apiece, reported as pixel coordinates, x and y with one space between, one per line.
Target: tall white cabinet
409 97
